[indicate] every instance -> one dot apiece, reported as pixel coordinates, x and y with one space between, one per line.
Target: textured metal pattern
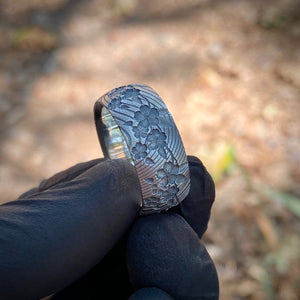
153 141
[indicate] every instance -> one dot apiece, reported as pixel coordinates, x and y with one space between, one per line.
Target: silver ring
133 123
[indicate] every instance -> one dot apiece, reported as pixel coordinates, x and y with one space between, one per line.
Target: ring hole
113 138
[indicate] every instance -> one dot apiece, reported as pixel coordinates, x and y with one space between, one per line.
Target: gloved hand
69 235
164 250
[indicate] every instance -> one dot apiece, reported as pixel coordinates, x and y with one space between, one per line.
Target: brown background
229 72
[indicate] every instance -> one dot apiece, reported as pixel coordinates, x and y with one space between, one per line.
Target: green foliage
224 161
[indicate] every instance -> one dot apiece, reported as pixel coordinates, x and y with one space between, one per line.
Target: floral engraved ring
133 123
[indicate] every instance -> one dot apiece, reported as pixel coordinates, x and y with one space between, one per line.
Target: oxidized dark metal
134 123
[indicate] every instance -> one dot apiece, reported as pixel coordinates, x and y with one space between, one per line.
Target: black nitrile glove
164 250
54 234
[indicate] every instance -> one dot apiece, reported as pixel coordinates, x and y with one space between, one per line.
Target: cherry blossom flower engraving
156 139
169 174
156 190
115 103
139 151
147 116
170 193
131 93
152 201
165 193
140 132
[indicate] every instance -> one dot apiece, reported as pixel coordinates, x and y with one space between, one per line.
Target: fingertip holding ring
133 123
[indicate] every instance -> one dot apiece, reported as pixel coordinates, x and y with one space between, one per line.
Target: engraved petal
153 121
180 179
164 181
138 146
130 93
154 112
168 167
143 133
159 192
143 148
143 124
152 146
165 193
172 179
162 136
139 116
155 133
160 173
173 190
145 110
161 144
150 138
175 169
162 153
143 154
134 150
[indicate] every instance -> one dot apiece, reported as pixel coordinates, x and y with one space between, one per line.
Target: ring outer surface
153 141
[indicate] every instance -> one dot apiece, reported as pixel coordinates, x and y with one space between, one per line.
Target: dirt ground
229 72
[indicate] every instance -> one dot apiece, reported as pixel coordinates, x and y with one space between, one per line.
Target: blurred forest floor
229 72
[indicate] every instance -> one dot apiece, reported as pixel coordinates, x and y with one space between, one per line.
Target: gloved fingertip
163 251
150 293
195 208
194 160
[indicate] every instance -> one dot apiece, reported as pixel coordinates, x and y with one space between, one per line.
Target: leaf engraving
162 153
149 180
149 161
128 123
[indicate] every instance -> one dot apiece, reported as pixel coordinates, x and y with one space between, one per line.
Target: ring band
133 123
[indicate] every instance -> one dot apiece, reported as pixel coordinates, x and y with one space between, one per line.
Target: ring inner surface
113 138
